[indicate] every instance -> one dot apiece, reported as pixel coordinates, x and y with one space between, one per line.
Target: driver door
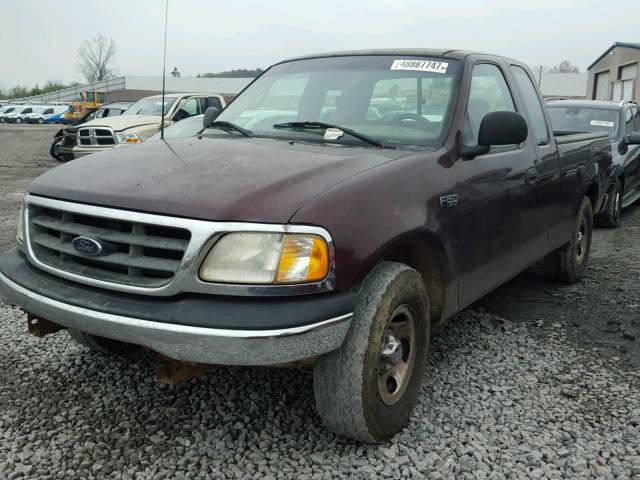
495 214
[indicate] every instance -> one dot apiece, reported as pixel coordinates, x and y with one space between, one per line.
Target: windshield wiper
227 126
322 125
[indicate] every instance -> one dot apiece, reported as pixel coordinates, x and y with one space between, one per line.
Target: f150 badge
450 200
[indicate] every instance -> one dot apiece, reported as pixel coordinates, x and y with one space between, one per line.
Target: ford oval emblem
87 246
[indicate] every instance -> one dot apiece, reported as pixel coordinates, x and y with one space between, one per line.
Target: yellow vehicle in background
90 101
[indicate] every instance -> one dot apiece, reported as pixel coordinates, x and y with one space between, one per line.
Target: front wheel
53 151
18 120
569 262
40 121
366 390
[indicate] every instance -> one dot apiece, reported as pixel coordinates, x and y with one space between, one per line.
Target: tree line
238 73
563 67
20 91
95 62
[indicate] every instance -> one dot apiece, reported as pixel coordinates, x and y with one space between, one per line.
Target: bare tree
564 67
95 58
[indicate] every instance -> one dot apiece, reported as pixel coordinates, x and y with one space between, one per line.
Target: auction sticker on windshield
601 123
420 66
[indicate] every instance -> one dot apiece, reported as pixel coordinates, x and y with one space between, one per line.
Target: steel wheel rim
581 241
397 356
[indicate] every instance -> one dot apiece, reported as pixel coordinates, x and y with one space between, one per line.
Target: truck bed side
585 162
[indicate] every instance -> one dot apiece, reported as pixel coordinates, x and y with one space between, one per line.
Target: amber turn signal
304 259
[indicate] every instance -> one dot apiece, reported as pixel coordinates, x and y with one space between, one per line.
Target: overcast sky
39 39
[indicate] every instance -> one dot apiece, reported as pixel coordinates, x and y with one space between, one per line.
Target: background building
132 88
615 74
563 85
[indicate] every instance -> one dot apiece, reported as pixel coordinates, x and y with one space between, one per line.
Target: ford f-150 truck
141 121
339 207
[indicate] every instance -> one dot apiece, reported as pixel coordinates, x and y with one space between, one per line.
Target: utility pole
164 66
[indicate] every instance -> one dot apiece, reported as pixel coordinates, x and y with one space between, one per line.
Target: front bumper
83 151
213 330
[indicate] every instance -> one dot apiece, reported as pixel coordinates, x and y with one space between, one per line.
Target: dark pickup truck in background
621 122
336 209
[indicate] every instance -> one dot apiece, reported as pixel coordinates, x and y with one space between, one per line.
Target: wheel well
592 193
424 258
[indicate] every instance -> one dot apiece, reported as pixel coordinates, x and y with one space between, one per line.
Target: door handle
531 176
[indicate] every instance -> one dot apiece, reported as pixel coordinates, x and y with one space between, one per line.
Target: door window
188 109
628 121
636 118
489 93
532 104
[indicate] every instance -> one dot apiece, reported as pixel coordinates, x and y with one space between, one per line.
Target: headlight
20 233
127 137
267 258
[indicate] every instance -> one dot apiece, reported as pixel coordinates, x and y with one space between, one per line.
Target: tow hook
172 372
41 327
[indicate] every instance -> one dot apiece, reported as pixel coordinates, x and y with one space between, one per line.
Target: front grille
133 253
96 137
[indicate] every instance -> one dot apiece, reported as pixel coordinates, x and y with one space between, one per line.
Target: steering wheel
421 122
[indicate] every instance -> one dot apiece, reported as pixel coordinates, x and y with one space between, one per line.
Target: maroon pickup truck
339 207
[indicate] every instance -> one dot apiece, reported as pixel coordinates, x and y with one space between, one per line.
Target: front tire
18 120
102 344
52 151
40 121
612 217
366 390
569 262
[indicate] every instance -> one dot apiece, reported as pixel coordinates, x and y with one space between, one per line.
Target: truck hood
122 122
225 179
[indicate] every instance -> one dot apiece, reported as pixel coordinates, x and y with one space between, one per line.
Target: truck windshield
396 100
150 106
576 119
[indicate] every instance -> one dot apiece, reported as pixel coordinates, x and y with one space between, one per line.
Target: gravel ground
535 381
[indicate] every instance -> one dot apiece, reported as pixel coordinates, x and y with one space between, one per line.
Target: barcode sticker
420 66
601 123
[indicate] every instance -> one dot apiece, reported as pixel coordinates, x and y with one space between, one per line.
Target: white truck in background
142 120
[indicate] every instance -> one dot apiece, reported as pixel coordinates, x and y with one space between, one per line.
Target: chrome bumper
188 343
77 153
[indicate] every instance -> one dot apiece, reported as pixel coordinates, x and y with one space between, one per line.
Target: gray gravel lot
537 380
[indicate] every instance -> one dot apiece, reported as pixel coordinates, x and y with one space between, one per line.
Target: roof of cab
418 52
176 95
585 103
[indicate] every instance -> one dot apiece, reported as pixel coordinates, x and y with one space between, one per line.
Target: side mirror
497 128
632 139
210 114
629 139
